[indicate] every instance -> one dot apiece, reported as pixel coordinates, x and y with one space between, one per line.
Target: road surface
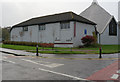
59 67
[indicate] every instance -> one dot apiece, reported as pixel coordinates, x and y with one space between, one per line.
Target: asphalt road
54 67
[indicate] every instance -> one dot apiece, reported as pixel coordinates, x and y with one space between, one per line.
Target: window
25 28
113 28
41 27
85 31
65 25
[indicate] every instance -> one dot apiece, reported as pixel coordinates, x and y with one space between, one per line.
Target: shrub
88 40
29 43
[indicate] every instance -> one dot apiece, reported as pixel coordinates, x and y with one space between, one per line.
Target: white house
107 26
64 30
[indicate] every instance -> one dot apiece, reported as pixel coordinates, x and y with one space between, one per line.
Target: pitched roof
55 18
98 15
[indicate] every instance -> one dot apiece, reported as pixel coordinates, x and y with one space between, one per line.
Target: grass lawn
60 52
106 49
110 48
18 47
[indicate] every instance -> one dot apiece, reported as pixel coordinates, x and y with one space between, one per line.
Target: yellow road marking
77 58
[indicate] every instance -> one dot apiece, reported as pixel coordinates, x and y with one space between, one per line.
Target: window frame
25 28
113 28
65 25
42 27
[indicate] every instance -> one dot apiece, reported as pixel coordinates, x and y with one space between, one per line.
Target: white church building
67 29
63 29
107 26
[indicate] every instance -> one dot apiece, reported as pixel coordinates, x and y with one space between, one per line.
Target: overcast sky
15 11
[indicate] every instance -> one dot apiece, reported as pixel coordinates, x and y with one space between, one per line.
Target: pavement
62 56
59 66
16 52
106 73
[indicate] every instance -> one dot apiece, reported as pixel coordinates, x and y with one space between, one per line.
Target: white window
41 27
65 25
25 28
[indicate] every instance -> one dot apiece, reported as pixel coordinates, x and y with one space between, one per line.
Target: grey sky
16 11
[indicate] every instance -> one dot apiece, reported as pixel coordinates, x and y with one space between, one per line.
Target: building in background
64 30
67 29
107 26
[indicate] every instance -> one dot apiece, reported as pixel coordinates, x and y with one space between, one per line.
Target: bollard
100 54
37 50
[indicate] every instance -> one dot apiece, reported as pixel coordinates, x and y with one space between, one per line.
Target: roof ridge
95 2
85 10
99 15
54 18
52 14
98 6
105 10
107 24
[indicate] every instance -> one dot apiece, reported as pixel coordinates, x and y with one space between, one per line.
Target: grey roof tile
55 18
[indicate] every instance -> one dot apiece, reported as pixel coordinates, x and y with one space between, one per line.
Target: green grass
0 45
106 49
21 47
60 52
110 49
18 47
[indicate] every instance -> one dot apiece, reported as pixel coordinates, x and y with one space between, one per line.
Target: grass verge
106 49
60 52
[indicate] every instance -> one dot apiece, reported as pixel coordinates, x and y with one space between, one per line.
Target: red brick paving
105 73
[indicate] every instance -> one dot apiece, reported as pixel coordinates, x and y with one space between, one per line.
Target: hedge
29 43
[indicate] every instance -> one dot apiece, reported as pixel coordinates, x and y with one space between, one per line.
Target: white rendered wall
15 34
106 39
27 36
80 27
32 34
64 45
64 36
48 35
53 34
